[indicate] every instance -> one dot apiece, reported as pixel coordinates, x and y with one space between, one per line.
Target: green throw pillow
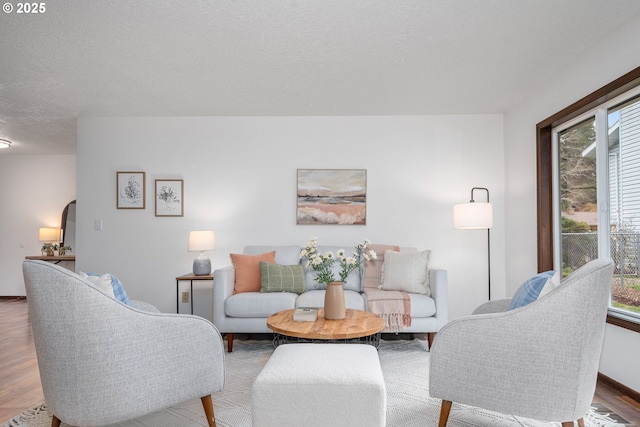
281 278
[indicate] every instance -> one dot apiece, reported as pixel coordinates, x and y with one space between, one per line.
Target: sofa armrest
440 294
223 281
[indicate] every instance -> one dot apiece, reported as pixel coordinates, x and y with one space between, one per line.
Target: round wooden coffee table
357 326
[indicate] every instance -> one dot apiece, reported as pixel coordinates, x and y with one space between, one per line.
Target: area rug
405 366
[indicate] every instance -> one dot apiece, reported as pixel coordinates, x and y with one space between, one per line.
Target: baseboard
620 387
18 297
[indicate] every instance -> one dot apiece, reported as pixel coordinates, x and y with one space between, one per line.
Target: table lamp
202 240
49 235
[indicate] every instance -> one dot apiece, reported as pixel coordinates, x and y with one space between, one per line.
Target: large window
623 157
589 190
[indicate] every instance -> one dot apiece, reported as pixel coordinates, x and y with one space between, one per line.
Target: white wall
34 191
589 71
240 180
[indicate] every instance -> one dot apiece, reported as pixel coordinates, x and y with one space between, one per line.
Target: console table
56 259
53 258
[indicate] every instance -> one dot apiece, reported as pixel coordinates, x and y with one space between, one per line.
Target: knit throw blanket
393 306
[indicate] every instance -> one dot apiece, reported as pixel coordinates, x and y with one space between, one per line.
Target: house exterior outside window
596 195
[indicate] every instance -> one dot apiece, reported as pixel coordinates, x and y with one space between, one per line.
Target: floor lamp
476 216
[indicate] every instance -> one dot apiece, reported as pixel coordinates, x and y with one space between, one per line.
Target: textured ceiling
281 58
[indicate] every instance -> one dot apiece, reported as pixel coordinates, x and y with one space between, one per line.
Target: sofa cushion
285 255
281 278
353 279
352 299
530 290
247 270
422 306
406 271
257 304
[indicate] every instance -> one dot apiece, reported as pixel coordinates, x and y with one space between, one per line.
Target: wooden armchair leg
229 343
581 422
55 421
208 410
444 413
430 338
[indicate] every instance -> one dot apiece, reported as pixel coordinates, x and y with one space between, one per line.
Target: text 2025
31 7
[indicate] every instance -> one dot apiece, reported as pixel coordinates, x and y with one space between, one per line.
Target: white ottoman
323 385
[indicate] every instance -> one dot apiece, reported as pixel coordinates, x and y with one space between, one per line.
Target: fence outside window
580 248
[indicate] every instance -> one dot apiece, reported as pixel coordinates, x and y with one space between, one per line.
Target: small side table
190 277
53 258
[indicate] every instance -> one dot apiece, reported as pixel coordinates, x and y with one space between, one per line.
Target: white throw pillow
552 283
406 271
101 283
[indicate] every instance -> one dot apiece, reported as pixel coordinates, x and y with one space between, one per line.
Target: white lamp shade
47 234
204 240
473 216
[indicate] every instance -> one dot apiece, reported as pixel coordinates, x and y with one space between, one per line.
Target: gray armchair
102 361
539 361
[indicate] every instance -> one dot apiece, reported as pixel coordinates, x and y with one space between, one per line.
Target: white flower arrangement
322 263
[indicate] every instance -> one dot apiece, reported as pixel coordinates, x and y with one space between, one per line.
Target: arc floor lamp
476 216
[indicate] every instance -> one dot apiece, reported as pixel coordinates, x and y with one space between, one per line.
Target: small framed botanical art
130 190
169 197
332 196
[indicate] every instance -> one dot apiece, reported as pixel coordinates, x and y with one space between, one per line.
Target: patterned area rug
405 365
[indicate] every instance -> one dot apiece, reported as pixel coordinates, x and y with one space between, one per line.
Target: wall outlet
185 297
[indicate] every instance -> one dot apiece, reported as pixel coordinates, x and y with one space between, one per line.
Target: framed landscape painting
169 197
130 190
332 196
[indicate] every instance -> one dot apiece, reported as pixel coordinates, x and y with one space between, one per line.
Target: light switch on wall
98 224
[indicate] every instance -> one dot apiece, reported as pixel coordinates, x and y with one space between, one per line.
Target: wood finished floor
20 387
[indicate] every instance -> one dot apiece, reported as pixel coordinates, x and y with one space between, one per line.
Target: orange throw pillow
247 269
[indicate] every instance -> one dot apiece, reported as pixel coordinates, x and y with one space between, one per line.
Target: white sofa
247 312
